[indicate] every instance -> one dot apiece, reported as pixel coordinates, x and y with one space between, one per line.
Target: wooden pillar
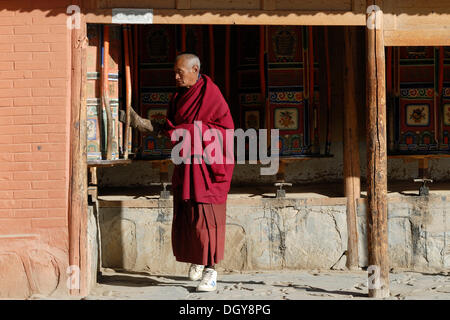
376 159
351 148
126 44
105 92
77 214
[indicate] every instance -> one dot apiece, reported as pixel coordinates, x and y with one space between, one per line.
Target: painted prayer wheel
419 100
96 113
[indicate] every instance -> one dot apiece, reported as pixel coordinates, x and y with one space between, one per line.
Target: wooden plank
77 220
268 5
166 4
255 17
351 148
228 4
107 163
183 4
316 5
438 37
418 156
377 237
359 6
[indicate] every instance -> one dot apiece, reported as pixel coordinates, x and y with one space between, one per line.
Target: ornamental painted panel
447 114
445 144
157 52
286 119
417 115
250 101
287 79
285 44
152 145
96 112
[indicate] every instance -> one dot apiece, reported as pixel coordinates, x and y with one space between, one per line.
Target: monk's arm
137 122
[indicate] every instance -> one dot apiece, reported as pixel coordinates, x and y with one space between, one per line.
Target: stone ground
273 285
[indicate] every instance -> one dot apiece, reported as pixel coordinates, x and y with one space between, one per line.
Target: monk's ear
195 68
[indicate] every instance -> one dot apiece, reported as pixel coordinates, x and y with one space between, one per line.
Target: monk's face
185 76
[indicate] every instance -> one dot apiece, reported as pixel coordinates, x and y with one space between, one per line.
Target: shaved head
190 60
187 69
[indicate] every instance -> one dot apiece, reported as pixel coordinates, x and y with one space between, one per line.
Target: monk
199 189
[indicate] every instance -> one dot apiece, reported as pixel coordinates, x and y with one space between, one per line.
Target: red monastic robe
200 190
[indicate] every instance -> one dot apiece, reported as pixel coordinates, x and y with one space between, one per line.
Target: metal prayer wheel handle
281 193
164 194
424 190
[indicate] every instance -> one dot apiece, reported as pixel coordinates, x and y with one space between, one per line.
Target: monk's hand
143 125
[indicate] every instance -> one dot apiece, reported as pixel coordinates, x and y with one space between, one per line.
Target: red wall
34 146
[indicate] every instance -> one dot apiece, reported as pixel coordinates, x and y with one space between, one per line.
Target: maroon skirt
198 231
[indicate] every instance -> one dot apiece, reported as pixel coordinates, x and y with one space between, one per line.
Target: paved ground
274 285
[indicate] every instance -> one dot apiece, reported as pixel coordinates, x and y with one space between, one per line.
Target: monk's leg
215 216
198 232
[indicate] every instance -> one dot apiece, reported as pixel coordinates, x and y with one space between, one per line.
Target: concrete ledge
266 233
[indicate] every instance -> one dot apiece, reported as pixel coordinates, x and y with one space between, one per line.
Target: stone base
265 233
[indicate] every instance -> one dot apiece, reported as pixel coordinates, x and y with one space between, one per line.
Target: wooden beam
268 5
351 148
183 4
376 160
430 37
242 17
77 218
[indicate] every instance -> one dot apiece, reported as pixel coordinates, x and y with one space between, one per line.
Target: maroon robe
200 190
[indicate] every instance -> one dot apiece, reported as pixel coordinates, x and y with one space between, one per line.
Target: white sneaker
195 272
209 280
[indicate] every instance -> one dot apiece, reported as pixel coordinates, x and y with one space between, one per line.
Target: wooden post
351 148
105 92
376 159
126 36
77 217
135 96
